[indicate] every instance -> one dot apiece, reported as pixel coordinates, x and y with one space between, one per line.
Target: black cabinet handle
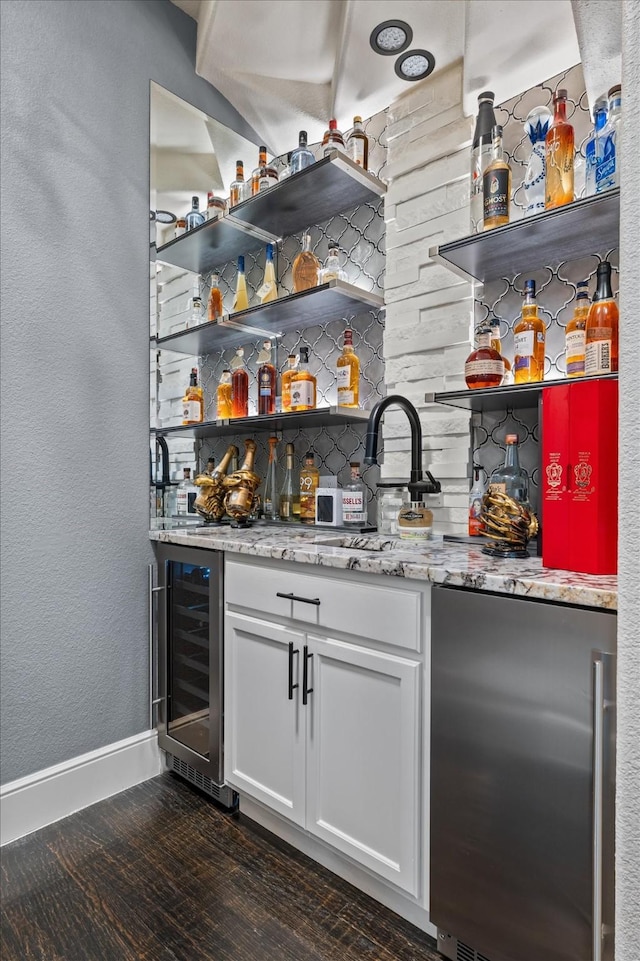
295 597
292 686
305 690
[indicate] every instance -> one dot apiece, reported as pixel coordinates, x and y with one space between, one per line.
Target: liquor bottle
269 290
196 307
287 376
303 385
484 367
305 267
266 381
264 175
216 308
286 170
511 479
269 502
193 401
289 493
237 190
241 299
559 155
239 386
575 336
529 340
608 170
358 144
601 351
301 157
332 269
496 185
211 466
181 227
186 494
536 127
194 218
224 396
476 494
348 374
353 498
309 481
481 156
333 139
496 343
593 147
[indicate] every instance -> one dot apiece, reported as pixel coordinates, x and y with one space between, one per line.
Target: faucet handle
420 487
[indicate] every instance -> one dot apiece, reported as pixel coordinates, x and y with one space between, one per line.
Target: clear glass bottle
264 175
270 500
559 155
215 307
309 481
348 374
186 495
301 157
536 127
333 139
290 492
196 307
593 147
267 377
354 499
239 386
484 367
476 494
181 227
481 156
358 144
608 170
216 206
224 396
601 350
194 218
237 190
286 170
332 269
575 333
511 479
305 267
287 376
241 299
496 343
269 289
529 336
303 385
193 401
496 185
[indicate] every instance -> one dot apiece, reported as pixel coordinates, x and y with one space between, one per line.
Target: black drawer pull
305 675
303 600
292 686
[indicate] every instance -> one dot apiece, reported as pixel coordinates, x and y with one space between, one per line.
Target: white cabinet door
364 770
265 729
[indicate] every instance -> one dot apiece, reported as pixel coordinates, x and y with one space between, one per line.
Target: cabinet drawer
390 614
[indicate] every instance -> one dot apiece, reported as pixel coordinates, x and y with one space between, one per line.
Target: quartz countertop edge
452 563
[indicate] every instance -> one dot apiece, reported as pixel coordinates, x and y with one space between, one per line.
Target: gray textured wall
628 776
75 316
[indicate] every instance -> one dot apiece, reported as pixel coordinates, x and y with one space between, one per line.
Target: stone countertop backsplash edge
454 564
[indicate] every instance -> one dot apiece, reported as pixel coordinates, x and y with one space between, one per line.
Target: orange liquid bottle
601 351
529 340
559 154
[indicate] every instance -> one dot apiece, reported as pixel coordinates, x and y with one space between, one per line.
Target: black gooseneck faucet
417 484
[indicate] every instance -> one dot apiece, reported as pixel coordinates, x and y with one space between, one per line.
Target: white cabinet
325 728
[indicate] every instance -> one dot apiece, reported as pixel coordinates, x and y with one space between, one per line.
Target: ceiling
289 65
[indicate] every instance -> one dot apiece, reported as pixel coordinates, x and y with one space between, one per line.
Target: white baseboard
39 799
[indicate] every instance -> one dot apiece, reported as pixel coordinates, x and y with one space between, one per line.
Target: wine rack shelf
517 396
321 417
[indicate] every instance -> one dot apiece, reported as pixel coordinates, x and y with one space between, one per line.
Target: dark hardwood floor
159 873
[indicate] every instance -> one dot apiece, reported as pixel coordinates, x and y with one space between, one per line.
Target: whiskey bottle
575 335
266 381
238 186
496 185
194 218
301 157
358 144
239 386
269 290
593 146
333 139
287 376
496 343
481 156
193 401
216 308
484 367
305 267
290 493
608 169
309 481
264 175
511 479
241 299
186 494
601 351
353 498
224 396
529 340
303 385
559 155
348 374
269 503
195 307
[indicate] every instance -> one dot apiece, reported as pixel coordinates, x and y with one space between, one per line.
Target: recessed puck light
415 65
392 36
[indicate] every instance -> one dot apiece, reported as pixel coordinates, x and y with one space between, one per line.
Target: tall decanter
481 156
559 155
536 127
511 479
305 267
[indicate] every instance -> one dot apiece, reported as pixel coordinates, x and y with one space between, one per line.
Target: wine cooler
190 666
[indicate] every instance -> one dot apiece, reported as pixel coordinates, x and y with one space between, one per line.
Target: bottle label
353 507
496 193
484 367
266 288
192 411
343 376
575 348
345 397
185 502
285 508
356 150
523 349
302 394
597 358
606 167
264 388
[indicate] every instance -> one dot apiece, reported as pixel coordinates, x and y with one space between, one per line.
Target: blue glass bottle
301 157
194 218
608 169
593 148
536 126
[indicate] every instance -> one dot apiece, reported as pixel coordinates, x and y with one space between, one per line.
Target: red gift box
579 477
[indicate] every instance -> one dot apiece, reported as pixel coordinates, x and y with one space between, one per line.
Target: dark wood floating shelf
566 233
332 301
321 417
498 398
317 193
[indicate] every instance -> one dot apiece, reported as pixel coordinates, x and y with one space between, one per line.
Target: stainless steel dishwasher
522 778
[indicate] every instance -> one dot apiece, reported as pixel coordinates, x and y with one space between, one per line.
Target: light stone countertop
448 562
